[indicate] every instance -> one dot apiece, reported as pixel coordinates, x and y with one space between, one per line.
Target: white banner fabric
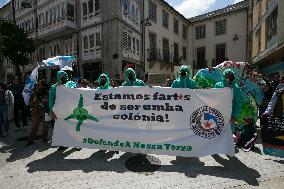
164 121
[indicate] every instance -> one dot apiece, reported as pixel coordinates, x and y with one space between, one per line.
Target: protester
6 108
95 84
245 136
62 79
184 80
230 81
268 92
275 82
131 80
114 83
104 82
39 105
83 83
19 105
276 104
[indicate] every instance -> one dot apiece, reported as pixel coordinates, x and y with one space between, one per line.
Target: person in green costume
104 82
184 80
230 81
130 79
62 80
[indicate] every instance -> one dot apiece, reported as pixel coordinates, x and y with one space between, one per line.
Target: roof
229 9
173 9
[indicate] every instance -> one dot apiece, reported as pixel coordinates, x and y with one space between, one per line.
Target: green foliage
14 43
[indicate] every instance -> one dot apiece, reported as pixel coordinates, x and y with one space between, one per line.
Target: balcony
57 28
163 56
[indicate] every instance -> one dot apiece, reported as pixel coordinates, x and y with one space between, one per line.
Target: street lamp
145 23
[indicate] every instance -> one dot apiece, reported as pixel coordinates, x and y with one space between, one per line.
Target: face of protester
83 84
183 74
131 77
103 81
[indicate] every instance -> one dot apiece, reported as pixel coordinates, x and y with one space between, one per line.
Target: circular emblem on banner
207 122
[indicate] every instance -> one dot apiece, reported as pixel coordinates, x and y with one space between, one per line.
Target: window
97 5
220 27
129 42
184 53
176 23
58 49
85 40
133 43
84 6
184 31
98 39
92 40
153 46
271 25
152 11
165 17
132 12
166 52
137 14
176 53
70 12
124 38
91 6
137 46
220 53
200 31
200 56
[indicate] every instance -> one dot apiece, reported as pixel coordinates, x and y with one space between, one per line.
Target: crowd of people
42 101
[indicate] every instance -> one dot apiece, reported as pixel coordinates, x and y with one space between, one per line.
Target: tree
15 45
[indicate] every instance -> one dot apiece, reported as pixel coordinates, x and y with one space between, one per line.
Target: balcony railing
163 56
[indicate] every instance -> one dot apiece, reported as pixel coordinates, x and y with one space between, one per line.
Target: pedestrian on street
6 108
19 105
39 105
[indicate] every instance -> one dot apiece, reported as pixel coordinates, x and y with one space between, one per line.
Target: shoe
116 152
103 151
29 143
61 148
78 149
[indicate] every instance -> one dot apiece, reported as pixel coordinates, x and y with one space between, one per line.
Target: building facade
166 43
7 70
218 36
266 30
147 35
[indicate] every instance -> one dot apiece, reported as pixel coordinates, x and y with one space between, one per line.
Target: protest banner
166 121
272 134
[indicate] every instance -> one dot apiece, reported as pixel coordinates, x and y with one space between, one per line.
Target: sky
188 8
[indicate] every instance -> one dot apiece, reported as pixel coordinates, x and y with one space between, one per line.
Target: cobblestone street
41 166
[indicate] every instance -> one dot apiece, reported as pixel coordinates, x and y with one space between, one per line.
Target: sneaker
77 149
29 143
61 148
103 151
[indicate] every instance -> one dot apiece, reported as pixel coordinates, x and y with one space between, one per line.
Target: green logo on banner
81 114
